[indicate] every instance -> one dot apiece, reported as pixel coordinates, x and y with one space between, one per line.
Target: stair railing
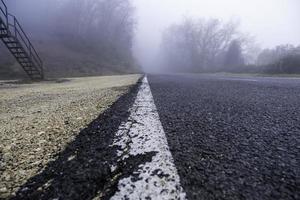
14 28
3 9
18 32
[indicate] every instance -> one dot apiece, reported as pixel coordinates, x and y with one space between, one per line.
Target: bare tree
199 45
270 56
234 56
99 31
103 26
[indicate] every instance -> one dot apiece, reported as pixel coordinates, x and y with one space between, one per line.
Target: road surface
232 138
185 137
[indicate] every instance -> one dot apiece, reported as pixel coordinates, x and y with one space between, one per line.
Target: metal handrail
3 9
19 34
30 44
14 28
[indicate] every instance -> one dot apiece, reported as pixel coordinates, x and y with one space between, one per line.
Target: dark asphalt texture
232 138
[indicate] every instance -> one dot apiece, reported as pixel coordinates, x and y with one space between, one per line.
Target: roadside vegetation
75 37
211 45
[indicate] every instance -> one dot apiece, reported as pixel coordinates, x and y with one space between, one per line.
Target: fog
103 37
76 37
270 22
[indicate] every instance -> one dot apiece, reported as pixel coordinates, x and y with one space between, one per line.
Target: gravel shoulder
38 120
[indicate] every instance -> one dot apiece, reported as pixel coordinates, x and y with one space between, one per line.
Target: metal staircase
17 42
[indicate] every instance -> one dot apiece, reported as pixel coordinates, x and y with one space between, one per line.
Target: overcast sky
272 22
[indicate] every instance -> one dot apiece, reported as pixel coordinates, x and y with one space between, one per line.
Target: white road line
141 134
239 79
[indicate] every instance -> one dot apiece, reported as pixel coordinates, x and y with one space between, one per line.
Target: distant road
232 138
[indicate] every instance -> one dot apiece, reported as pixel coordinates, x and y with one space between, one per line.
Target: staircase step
25 62
11 42
23 59
27 68
8 37
12 46
26 65
20 55
21 52
35 73
16 51
15 47
32 72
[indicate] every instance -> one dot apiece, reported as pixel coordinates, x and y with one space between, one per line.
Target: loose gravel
38 121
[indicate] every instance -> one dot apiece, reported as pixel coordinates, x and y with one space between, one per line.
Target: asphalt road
232 138
184 136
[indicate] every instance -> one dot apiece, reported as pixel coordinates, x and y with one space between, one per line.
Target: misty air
139 99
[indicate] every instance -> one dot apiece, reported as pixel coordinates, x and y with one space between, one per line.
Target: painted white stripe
143 133
239 79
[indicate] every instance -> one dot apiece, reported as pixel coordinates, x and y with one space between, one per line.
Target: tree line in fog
281 59
79 36
210 45
106 26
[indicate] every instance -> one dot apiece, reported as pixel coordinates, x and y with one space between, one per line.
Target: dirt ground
37 121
